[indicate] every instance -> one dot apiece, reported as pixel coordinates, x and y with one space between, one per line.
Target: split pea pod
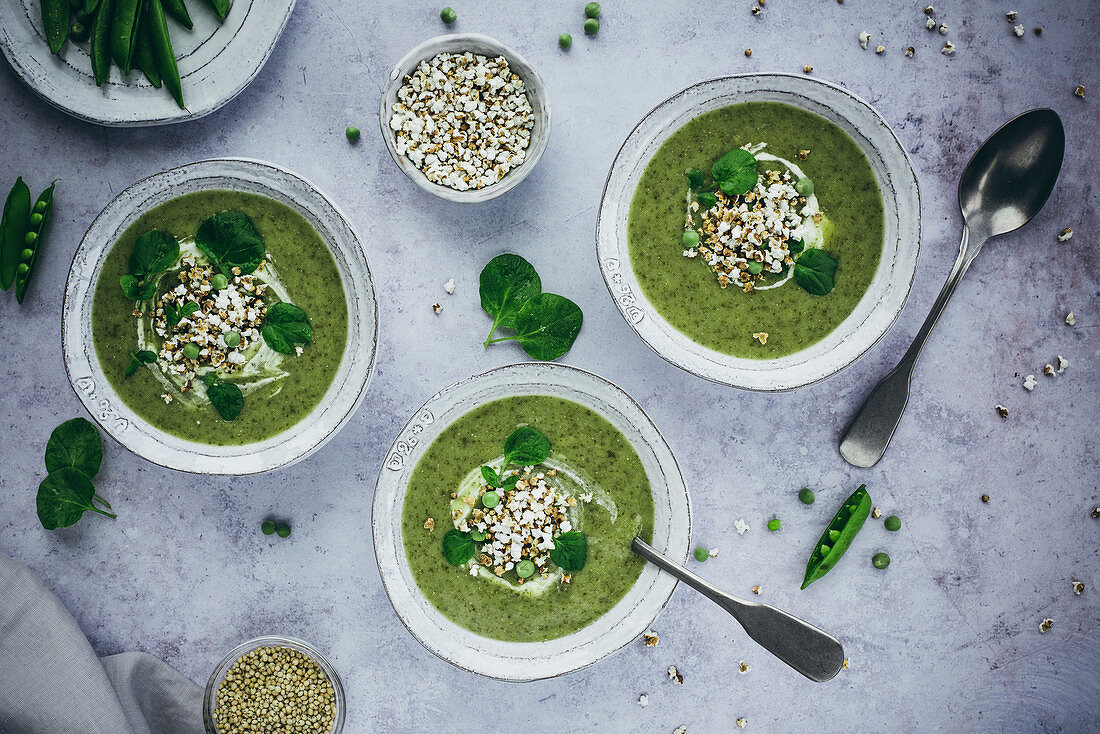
838 535
55 22
101 41
178 11
157 26
143 55
125 24
220 7
39 218
13 231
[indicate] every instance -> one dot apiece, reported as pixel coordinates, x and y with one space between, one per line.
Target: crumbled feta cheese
1065 234
1071 319
1046 624
166 397
1030 382
674 675
449 286
864 38
690 252
1018 30
740 526
1062 363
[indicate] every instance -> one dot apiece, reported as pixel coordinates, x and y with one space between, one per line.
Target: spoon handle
815 654
867 436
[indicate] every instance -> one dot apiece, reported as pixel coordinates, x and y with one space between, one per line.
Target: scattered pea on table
448 15
282 530
352 133
774 524
592 10
880 560
806 496
267 527
565 40
591 27
892 523
701 554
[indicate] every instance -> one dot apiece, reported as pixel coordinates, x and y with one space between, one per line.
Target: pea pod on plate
55 22
143 55
13 231
101 42
39 218
165 57
125 23
220 7
178 11
90 6
838 535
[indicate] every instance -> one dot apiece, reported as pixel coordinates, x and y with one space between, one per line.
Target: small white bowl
151 443
486 46
525 661
875 312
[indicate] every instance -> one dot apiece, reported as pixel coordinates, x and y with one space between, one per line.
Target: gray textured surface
946 638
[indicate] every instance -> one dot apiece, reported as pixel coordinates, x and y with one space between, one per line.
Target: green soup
595 451
685 292
310 276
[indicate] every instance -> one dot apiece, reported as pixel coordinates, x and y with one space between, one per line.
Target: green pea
804 187
774 524
282 530
701 554
448 15
219 281
565 40
754 267
591 27
36 219
40 207
490 499
880 560
231 338
477 535
191 350
690 238
267 527
525 569
892 523
833 534
26 254
592 10
352 133
30 238
825 549
806 496
23 269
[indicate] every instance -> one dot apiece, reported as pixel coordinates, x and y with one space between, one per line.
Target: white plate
875 312
216 62
149 442
525 661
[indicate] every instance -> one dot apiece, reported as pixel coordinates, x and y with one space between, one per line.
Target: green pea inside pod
838 535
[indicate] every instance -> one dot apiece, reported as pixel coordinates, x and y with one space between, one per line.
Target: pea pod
55 22
90 6
13 231
220 7
178 11
838 535
161 43
143 56
101 42
42 207
124 31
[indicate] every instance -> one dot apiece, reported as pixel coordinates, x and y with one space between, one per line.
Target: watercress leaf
187 309
706 199
507 282
508 483
154 252
133 366
814 270
490 476
796 246
226 397
230 240
135 290
174 314
63 497
75 443
735 172
526 447
570 551
696 178
285 327
547 326
146 356
458 547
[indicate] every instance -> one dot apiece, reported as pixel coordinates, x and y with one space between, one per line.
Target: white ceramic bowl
524 661
486 46
135 433
875 312
216 62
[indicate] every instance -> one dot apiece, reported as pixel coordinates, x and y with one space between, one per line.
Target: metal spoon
813 653
1003 186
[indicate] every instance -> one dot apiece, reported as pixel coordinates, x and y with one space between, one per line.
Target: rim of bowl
676 358
209 696
193 457
459 42
681 498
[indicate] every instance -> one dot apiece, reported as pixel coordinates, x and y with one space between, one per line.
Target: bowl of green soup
220 318
504 514
760 230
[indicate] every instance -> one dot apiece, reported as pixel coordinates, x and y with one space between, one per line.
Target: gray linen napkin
51 682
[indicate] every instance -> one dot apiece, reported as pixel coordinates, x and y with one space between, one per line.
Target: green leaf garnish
75 443
526 446
735 172
285 327
173 314
507 282
154 252
814 270
546 326
135 290
490 475
570 551
796 246
139 358
458 548
706 199
230 240
64 496
226 397
696 178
